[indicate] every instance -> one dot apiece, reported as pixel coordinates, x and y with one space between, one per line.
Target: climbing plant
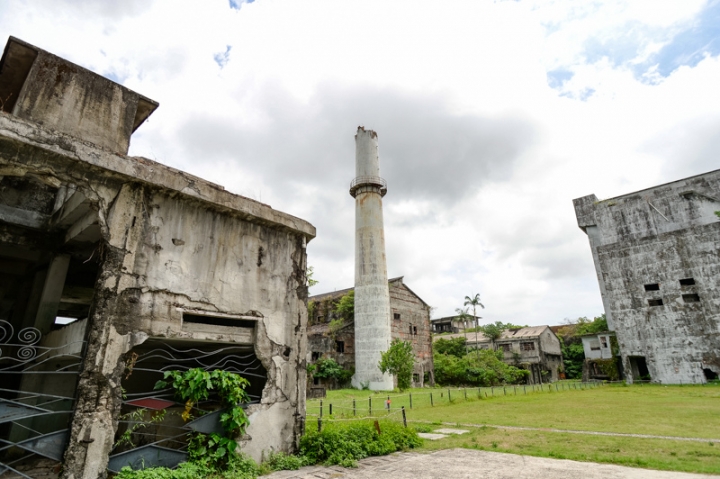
195 385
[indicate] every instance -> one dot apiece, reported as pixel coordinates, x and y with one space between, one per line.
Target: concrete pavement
466 463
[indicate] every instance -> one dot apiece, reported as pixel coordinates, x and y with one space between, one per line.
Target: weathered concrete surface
466 463
372 298
643 244
92 107
150 248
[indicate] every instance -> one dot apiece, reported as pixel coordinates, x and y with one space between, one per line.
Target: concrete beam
79 229
17 216
75 206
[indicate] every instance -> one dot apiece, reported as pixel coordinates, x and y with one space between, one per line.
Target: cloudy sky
491 116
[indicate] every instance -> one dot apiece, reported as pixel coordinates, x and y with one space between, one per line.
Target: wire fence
382 406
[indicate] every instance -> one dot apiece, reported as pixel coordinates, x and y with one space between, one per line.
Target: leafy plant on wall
195 385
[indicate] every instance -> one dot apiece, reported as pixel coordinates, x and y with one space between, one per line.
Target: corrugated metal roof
522 333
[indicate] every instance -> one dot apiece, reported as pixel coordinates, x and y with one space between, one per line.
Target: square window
340 346
396 316
505 347
316 355
691 298
655 302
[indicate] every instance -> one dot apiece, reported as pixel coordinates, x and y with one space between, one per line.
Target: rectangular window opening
652 287
316 355
687 282
396 316
339 346
528 346
655 302
691 298
414 330
218 321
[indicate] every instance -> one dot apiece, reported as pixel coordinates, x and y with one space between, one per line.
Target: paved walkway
466 463
591 433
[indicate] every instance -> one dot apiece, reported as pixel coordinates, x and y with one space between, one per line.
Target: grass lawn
687 411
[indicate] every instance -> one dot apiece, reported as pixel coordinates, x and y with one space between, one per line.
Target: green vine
195 385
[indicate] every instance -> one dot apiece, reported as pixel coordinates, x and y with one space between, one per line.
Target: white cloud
482 156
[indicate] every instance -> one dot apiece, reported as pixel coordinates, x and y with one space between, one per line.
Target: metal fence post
370 405
431 401
330 407
319 424
404 418
410 400
321 408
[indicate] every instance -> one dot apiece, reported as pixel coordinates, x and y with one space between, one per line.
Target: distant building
453 324
657 263
410 322
535 348
599 358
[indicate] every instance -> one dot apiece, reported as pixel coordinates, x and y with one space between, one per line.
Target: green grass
680 411
686 456
683 411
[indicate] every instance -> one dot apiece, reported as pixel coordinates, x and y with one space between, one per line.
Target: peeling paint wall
657 258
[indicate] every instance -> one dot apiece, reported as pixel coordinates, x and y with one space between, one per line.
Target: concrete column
44 303
372 297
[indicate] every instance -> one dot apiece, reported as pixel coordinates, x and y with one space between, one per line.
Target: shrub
479 368
346 443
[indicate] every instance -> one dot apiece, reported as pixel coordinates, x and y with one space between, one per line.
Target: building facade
656 257
535 348
600 354
410 322
114 269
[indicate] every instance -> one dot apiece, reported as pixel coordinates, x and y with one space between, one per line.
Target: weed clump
345 443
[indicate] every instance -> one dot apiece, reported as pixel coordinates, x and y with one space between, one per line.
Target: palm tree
474 302
462 315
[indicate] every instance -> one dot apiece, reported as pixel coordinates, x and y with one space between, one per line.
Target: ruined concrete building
534 348
657 258
411 322
114 269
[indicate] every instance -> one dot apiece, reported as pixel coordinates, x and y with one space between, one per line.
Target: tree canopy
399 361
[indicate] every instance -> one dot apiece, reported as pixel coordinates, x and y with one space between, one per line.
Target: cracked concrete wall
657 237
173 242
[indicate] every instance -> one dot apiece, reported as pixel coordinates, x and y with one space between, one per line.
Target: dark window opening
316 355
527 346
691 298
710 375
396 315
316 381
652 287
414 330
505 347
340 346
639 368
218 321
655 302
603 340
416 378
687 282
